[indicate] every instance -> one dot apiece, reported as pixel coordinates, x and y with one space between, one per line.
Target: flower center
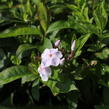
50 55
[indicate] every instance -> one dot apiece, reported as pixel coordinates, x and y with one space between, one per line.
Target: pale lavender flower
62 61
51 57
57 43
44 72
73 45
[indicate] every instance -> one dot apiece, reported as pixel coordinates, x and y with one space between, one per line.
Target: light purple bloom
57 43
73 45
44 72
62 61
51 57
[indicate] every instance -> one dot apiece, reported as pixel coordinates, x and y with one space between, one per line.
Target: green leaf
19 31
42 14
35 92
66 85
78 22
15 60
46 44
73 7
104 54
72 99
100 16
57 8
23 50
2 58
60 83
28 8
104 36
80 26
28 78
56 26
51 83
80 43
80 3
85 12
12 73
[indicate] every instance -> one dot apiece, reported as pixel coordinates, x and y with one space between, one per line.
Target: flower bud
73 45
57 43
62 61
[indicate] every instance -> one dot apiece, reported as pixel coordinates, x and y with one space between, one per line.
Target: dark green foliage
27 27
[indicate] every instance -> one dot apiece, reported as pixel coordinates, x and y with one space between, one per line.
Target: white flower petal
46 62
45 53
44 77
59 54
51 57
53 50
45 72
55 61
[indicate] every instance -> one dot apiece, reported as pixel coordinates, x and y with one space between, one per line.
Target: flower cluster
51 57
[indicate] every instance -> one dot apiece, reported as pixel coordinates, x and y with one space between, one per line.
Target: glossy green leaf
29 78
12 73
80 43
19 31
60 83
59 25
82 40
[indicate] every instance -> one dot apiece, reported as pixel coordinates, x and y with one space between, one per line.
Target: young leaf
100 16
